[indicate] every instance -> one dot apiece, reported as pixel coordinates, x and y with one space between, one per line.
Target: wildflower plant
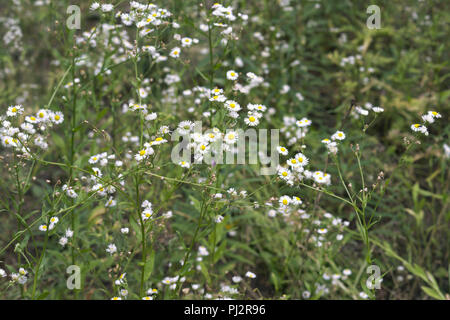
92 122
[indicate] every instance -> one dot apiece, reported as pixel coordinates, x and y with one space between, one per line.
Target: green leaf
432 293
149 265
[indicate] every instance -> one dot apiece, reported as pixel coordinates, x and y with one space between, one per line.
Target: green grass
391 184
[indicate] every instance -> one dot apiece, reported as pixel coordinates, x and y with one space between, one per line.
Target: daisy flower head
94 159
175 52
63 241
14 111
184 164
431 116
285 201
111 249
57 117
301 159
43 227
218 98
110 203
53 222
232 105
42 115
69 191
8 142
231 137
157 141
338 135
216 91
31 119
260 107
377 109
186 42
250 275
304 122
282 150
419 128
296 200
184 127
232 75
143 93
435 114
252 120
293 162
147 213
284 173
322 178
144 153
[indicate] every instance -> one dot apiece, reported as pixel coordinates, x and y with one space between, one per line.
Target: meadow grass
358 207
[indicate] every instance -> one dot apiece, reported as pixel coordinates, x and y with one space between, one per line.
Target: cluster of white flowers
147 212
13 36
64 239
294 130
427 118
20 277
364 111
203 144
53 221
21 133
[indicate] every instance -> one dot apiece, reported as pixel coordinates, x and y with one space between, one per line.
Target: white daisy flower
111 248
175 53
232 75
338 135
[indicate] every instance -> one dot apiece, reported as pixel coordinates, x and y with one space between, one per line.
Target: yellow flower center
285 202
57 117
41 114
142 152
32 118
252 119
284 174
14 109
